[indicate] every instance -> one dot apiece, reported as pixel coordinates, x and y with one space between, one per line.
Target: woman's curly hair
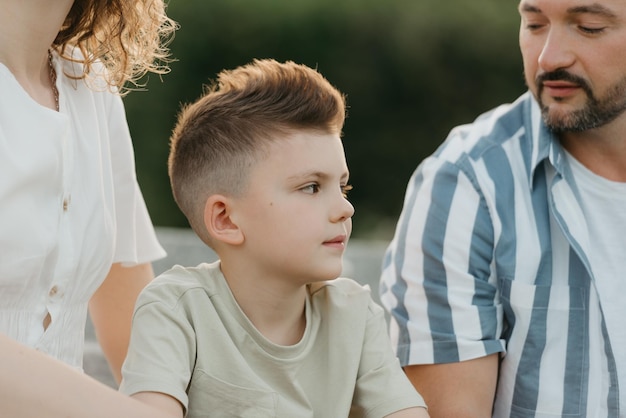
130 38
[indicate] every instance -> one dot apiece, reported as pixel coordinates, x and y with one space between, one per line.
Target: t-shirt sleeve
136 240
161 352
382 387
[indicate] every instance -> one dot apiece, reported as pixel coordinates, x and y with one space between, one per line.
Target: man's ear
218 221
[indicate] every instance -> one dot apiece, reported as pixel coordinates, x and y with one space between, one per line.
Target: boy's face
294 215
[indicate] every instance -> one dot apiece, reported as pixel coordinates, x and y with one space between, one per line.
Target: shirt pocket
212 397
546 329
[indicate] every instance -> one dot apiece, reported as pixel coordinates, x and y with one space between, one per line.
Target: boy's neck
276 309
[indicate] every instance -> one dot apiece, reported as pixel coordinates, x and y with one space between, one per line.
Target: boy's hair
218 137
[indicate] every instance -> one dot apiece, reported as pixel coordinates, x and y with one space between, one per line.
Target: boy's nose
346 209
340 208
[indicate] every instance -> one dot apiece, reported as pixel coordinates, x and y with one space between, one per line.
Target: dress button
53 291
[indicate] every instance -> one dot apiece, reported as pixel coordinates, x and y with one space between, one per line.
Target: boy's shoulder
344 294
174 283
341 285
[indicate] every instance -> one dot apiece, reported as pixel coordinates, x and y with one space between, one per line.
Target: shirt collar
544 144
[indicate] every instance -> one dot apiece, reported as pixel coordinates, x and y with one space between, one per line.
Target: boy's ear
218 222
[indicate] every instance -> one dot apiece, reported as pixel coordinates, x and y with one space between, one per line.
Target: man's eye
591 31
311 188
345 189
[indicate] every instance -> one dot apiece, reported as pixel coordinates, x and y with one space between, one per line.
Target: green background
411 70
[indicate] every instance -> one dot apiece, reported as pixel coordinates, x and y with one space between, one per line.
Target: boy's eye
311 188
345 189
533 27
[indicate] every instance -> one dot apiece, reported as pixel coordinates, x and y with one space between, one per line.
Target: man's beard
597 111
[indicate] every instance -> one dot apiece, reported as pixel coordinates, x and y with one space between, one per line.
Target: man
505 277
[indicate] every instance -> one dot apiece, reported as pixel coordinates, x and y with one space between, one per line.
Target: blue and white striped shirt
491 255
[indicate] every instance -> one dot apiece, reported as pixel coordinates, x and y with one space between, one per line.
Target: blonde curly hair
129 38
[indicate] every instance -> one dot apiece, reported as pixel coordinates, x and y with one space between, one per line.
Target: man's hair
218 137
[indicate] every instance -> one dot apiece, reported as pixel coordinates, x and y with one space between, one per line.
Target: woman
74 230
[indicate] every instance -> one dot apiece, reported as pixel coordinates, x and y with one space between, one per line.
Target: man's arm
111 310
457 390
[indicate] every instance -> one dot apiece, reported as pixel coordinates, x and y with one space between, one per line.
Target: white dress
70 206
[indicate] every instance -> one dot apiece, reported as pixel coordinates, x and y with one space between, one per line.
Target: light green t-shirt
191 341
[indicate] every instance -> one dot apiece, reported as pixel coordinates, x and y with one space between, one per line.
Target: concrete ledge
362 262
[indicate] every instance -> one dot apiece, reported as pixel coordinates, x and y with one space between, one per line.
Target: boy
257 166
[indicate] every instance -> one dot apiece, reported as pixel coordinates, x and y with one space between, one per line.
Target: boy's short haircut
218 137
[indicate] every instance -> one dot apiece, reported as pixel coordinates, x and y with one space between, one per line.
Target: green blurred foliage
411 70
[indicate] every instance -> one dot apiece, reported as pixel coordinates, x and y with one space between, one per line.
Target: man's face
574 54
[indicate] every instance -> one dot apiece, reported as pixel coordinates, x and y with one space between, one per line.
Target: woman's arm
111 310
34 385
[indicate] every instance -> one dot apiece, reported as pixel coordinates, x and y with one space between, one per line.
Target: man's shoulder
494 128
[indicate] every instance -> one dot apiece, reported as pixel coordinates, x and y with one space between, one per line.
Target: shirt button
53 291
66 203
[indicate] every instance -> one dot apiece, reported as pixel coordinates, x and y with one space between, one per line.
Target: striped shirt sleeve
441 257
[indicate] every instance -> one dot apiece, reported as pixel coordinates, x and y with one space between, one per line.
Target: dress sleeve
382 387
438 281
136 240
